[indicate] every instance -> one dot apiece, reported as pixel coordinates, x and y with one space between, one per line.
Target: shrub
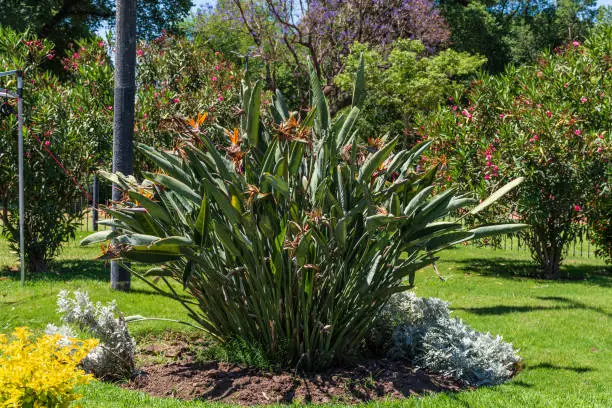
113 358
427 335
404 80
549 123
40 372
50 217
292 236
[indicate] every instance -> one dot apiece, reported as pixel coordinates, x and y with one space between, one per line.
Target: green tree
515 31
66 21
405 81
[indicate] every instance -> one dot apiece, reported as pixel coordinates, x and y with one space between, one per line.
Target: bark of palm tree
123 124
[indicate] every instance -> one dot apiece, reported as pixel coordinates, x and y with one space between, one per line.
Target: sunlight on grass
562 328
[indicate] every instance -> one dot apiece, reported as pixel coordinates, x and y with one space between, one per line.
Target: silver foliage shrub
114 357
425 333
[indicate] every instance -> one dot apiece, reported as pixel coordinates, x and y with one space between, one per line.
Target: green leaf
375 160
492 230
318 99
100 236
252 120
497 195
201 224
359 92
175 185
444 241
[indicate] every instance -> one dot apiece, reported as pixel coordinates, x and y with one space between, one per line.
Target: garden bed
369 380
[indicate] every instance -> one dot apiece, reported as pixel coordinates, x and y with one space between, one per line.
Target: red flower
577 208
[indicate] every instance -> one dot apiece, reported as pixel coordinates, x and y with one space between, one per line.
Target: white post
20 160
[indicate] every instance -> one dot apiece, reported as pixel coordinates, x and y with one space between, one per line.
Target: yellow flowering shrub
41 371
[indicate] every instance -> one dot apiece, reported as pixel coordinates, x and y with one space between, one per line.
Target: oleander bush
549 123
113 358
292 236
54 130
41 371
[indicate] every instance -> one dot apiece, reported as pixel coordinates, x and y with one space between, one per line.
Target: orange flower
234 138
197 122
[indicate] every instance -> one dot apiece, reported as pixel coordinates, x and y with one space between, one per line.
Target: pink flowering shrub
549 123
57 128
179 79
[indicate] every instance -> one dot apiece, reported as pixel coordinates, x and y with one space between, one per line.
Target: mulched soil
217 381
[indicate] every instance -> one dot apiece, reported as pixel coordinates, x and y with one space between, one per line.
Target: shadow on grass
566 304
549 366
499 267
65 270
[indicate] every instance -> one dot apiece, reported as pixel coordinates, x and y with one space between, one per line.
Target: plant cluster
113 358
69 124
293 235
425 333
42 371
53 129
549 123
402 80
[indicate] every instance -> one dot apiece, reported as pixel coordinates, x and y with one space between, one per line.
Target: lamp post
19 96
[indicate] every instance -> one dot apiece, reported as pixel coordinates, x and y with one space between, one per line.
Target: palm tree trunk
123 124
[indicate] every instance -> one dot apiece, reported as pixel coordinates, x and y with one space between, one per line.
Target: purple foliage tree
323 30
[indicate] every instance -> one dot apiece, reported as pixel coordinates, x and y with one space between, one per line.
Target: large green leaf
100 236
496 195
375 160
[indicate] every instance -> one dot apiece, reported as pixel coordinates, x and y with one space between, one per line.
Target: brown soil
214 381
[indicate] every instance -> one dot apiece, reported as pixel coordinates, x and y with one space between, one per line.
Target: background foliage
549 122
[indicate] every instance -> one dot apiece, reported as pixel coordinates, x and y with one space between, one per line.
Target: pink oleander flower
47 143
577 132
501 116
454 108
583 100
565 85
575 43
213 78
140 53
599 149
220 99
577 208
175 100
109 107
486 177
548 113
535 137
217 67
101 44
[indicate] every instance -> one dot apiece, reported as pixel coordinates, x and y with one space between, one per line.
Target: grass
563 329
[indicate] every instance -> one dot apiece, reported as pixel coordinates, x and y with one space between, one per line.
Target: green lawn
563 329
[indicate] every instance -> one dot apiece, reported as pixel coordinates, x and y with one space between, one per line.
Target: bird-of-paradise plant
293 236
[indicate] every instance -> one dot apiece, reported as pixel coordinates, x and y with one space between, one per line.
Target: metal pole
20 160
94 204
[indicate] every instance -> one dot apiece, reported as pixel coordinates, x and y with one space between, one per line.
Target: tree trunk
123 125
